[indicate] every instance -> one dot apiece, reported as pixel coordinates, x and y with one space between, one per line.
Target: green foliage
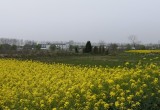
5 48
27 47
13 47
113 47
38 47
52 47
128 47
141 47
71 47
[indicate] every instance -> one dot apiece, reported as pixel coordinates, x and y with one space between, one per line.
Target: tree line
17 46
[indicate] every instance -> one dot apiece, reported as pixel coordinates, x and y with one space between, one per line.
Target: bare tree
134 40
11 41
101 43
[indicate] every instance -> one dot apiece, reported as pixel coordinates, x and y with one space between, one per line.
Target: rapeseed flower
35 85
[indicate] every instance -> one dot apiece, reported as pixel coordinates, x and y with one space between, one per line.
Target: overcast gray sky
80 20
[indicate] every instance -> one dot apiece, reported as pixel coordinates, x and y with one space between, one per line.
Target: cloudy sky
81 20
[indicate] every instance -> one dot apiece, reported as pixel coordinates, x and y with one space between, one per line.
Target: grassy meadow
101 60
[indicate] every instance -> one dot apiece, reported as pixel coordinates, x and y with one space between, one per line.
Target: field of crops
30 85
144 51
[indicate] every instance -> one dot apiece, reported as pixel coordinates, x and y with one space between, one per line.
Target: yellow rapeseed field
144 51
30 85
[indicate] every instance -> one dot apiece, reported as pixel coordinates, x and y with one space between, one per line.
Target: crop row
144 51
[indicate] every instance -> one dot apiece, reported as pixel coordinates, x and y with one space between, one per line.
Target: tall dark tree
76 50
88 47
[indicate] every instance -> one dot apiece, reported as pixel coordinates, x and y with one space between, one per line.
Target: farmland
100 60
144 51
126 81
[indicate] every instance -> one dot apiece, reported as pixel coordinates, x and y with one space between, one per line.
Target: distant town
18 46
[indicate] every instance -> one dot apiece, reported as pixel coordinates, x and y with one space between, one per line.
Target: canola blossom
144 51
30 85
